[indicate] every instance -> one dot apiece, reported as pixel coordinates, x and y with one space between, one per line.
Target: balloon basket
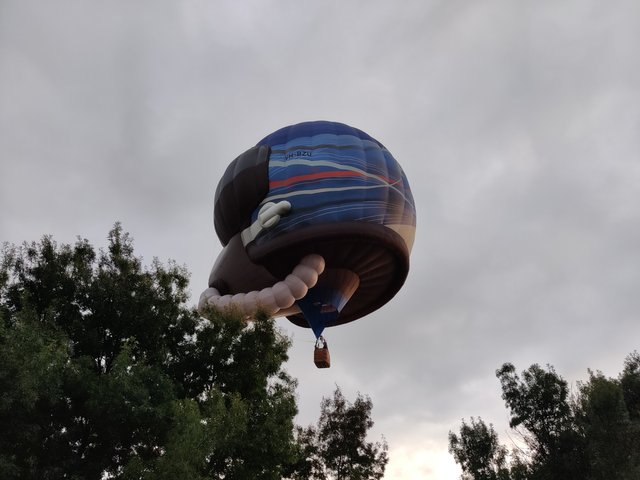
321 357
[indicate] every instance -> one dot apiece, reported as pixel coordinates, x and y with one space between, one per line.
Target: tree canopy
592 434
106 372
337 446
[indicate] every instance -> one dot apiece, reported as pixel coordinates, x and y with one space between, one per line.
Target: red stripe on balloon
321 175
312 176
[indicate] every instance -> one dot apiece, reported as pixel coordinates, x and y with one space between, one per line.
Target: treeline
105 372
592 433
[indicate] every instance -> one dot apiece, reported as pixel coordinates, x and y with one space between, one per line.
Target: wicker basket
321 357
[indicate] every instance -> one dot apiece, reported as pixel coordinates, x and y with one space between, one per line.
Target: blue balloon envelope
321 188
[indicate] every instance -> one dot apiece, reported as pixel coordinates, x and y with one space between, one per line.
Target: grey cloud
515 123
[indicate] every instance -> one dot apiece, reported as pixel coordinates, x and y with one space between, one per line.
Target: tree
630 385
478 451
106 372
594 435
337 446
613 439
539 401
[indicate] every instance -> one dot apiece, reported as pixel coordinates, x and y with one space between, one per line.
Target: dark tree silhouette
337 446
104 371
593 435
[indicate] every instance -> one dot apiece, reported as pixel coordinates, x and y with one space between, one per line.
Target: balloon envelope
321 188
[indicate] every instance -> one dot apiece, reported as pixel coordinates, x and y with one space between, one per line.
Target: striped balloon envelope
317 222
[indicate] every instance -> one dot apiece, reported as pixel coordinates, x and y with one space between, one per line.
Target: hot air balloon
317 222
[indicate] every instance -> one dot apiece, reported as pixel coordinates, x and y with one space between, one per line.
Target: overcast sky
516 122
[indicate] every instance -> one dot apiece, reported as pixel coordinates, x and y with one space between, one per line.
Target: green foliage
539 402
478 451
594 435
104 371
630 385
613 439
337 446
